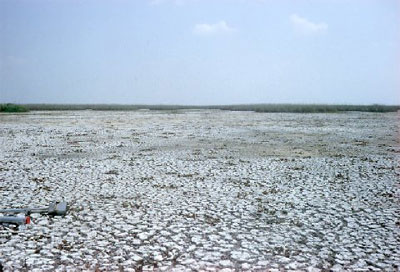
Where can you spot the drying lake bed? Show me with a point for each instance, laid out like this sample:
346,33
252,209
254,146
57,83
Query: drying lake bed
202,190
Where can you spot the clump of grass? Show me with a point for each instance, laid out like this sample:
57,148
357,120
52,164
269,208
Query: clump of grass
12,108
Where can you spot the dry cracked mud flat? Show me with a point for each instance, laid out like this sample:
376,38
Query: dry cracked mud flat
202,191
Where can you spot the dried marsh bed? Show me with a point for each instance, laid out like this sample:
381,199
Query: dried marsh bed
202,190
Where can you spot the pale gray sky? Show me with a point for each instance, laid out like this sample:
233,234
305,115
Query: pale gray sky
200,51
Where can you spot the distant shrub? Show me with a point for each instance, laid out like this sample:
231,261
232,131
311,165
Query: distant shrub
12,108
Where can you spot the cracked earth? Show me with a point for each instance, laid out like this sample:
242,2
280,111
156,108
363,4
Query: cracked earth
202,191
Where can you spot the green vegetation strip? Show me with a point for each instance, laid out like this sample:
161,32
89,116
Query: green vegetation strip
12,108
248,107
300,108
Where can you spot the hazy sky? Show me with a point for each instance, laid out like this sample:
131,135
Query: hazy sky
200,51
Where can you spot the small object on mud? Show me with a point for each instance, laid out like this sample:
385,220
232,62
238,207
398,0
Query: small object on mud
15,220
55,208
111,172
59,208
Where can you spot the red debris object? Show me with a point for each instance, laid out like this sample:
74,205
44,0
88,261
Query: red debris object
27,220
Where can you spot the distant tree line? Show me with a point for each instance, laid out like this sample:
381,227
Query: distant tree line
310,108
295,108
